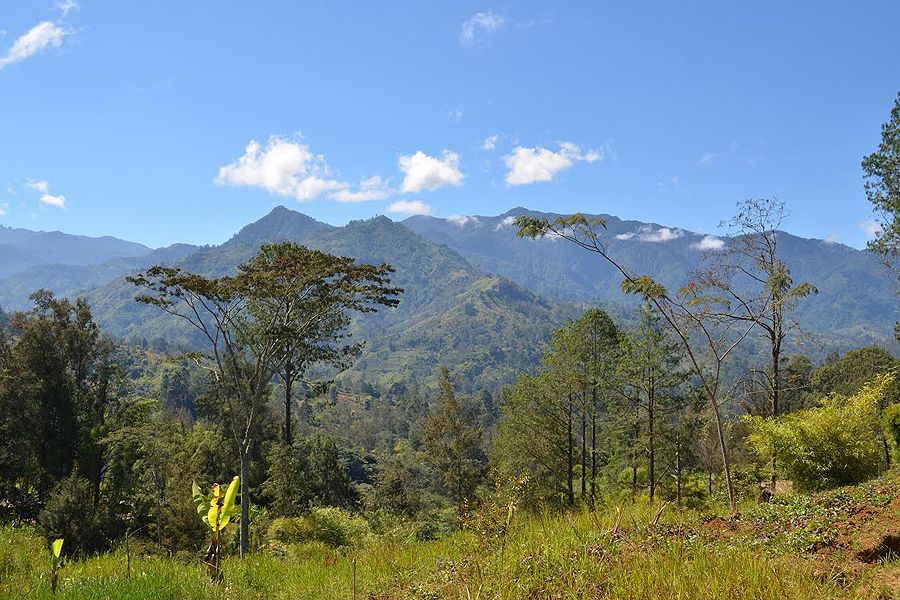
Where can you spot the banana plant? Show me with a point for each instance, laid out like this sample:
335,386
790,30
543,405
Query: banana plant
55,562
216,511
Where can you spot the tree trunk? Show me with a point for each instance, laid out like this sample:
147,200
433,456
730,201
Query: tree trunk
571,458
159,495
583,449
633,481
651,458
678,466
245,500
288,399
593,446
725,464
776,386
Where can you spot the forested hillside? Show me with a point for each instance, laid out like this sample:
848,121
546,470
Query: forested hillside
450,312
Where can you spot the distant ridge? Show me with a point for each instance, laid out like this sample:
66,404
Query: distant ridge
21,249
856,304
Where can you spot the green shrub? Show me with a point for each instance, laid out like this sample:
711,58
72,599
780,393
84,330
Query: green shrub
70,514
746,479
834,445
329,525
890,422
289,530
337,527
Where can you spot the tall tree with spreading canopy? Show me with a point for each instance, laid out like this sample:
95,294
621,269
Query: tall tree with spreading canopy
310,293
249,320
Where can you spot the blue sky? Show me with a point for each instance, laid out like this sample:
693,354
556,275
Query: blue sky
163,122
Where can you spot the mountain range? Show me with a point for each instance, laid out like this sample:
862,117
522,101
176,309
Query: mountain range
856,303
21,249
476,296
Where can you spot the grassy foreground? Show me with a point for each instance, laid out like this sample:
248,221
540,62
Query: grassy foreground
835,545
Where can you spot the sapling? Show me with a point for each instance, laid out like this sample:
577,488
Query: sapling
55,562
216,511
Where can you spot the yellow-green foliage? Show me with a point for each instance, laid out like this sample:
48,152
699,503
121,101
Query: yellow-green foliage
890,421
832,445
331,526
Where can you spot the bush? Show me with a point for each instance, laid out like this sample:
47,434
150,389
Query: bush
289,530
70,514
890,421
311,471
331,526
834,445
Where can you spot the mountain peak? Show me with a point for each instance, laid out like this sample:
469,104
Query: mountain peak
517,211
280,224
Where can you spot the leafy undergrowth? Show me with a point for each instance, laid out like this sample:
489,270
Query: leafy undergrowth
849,537
841,544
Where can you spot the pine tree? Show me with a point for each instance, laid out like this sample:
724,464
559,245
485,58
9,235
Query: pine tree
651,376
452,442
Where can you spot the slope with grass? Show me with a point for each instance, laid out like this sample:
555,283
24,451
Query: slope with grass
840,544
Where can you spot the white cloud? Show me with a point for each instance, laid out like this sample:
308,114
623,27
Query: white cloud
709,242
43,187
39,186
455,115
37,39
706,159
871,228
284,168
647,234
4,208
57,201
66,6
463,220
413,207
424,172
832,239
478,24
532,165
506,222
371,188
663,234
489,142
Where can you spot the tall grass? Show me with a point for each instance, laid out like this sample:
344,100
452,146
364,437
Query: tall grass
543,556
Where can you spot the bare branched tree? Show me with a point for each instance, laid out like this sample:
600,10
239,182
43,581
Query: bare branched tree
708,341
748,282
